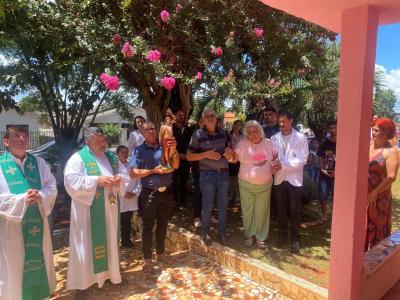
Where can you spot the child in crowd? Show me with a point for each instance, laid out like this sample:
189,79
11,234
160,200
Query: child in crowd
313,163
129,204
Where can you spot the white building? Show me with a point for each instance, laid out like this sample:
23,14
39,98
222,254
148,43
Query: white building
11,117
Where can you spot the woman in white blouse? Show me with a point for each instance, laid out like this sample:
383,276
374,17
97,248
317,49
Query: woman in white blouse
135,137
255,154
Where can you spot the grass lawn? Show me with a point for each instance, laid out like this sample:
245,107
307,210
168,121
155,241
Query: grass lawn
312,263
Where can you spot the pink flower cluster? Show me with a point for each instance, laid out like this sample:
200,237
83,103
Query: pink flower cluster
153,56
128,50
199,75
164,15
273,82
110,82
258,32
168,82
178,7
116,38
217,51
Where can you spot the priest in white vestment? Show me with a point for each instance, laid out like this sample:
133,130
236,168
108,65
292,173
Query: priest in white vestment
26,254
92,178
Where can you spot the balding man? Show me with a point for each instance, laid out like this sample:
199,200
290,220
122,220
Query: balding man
92,178
156,195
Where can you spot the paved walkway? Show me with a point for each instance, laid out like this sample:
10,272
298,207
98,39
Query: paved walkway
191,277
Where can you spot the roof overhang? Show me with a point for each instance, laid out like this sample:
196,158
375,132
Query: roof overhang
328,13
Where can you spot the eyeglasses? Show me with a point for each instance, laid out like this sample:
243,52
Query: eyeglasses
150,129
209,116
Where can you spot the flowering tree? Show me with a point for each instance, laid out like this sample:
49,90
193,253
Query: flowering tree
242,50
49,59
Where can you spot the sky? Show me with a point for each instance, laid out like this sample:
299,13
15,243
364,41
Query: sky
388,57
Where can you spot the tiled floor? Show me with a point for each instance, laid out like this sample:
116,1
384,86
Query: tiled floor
191,277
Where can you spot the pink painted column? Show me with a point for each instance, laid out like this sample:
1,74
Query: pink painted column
358,48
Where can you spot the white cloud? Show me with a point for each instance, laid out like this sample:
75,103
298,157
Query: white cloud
391,80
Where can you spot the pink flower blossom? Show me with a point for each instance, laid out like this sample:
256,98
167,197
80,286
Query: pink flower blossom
128,50
116,38
217,51
199,75
273,82
258,32
110,82
164,15
103,78
178,7
168,82
153,56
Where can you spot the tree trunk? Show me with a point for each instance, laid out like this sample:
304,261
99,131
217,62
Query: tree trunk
153,111
184,93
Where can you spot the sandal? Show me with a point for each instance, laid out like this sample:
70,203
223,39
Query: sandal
261,244
248,242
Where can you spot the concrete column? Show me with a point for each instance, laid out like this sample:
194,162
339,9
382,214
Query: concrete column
358,49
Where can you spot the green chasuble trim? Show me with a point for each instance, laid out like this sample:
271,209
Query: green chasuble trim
97,210
35,285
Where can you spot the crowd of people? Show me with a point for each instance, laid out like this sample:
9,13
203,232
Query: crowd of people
262,166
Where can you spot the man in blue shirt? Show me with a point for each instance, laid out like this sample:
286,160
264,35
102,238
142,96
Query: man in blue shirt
156,196
209,146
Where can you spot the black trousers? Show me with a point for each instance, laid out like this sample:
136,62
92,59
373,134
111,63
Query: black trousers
126,218
288,200
180,178
197,200
156,206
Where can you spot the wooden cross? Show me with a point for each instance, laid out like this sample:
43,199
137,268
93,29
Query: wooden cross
11,170
34,231
30,166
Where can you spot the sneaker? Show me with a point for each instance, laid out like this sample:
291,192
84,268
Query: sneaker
197,222
295,247
206,239
214,220
222,240
261,244
248,242
166,259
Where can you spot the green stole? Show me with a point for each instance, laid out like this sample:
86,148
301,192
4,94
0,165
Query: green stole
35,283
97,210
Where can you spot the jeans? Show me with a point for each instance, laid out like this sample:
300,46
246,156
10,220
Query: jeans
313,173
180,178
197,197
126,227
156,206
214,184
325,189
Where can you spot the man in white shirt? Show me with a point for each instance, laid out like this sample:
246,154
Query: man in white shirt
27,195
94,179
292,153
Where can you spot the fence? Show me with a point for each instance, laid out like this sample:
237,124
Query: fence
36,138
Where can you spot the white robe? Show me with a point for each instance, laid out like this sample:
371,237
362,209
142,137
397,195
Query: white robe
82,189
12,252
134,186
